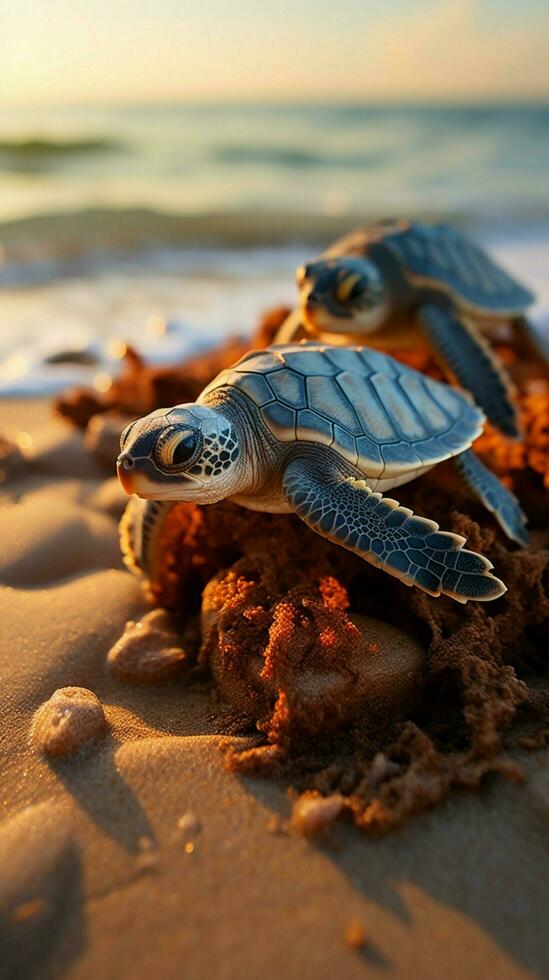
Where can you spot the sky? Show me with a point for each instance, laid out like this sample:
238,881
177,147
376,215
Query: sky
123,51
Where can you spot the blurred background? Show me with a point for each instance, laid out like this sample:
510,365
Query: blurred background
164,167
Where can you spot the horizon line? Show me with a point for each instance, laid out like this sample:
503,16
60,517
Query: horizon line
286,102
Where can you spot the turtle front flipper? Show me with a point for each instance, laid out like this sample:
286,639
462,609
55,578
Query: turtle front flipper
346,511
474,364
494,495
291,330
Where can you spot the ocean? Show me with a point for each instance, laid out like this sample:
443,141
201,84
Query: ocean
170,226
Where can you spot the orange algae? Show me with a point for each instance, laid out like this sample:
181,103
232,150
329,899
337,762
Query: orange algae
505,456
355,935
307,669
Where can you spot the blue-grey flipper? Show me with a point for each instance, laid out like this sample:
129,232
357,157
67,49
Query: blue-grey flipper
345,510
494,495
474,364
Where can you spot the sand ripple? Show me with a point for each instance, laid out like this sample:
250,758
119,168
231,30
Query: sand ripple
38,889
47,539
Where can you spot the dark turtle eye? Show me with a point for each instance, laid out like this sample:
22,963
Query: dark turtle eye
175,447
184,449
349,288
356,291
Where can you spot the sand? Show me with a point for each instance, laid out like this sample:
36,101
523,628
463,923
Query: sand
142,856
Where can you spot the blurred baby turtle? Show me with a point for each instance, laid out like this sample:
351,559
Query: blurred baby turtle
375,277
322,432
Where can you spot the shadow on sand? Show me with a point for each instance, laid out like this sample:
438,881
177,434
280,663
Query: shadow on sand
465,855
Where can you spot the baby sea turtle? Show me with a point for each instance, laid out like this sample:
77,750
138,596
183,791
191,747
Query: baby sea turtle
322,431
375,277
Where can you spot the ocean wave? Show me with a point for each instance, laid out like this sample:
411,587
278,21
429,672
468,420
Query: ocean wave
32,154
46,246
295,157
39,244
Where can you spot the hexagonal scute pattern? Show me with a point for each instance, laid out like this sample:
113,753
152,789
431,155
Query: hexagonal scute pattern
377,413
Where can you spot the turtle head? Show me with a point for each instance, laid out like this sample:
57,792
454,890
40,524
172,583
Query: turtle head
190,452
342,294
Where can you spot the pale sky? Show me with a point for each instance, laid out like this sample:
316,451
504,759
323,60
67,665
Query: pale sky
157,50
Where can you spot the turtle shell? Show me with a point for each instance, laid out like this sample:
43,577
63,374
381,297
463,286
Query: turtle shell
378,414
440,258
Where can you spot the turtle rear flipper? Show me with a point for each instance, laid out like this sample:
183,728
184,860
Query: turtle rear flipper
474,365
494,495
138,530
345,510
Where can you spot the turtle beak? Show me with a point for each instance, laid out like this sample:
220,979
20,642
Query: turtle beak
124,469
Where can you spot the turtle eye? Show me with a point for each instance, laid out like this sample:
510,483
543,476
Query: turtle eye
184,448
349,288
174,448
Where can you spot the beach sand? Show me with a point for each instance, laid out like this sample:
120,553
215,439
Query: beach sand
143,856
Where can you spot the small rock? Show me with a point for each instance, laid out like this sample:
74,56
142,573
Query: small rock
276,825
77,356
148,651
383,768
71,718
355,934
33,909
147,859
313,815
189,824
